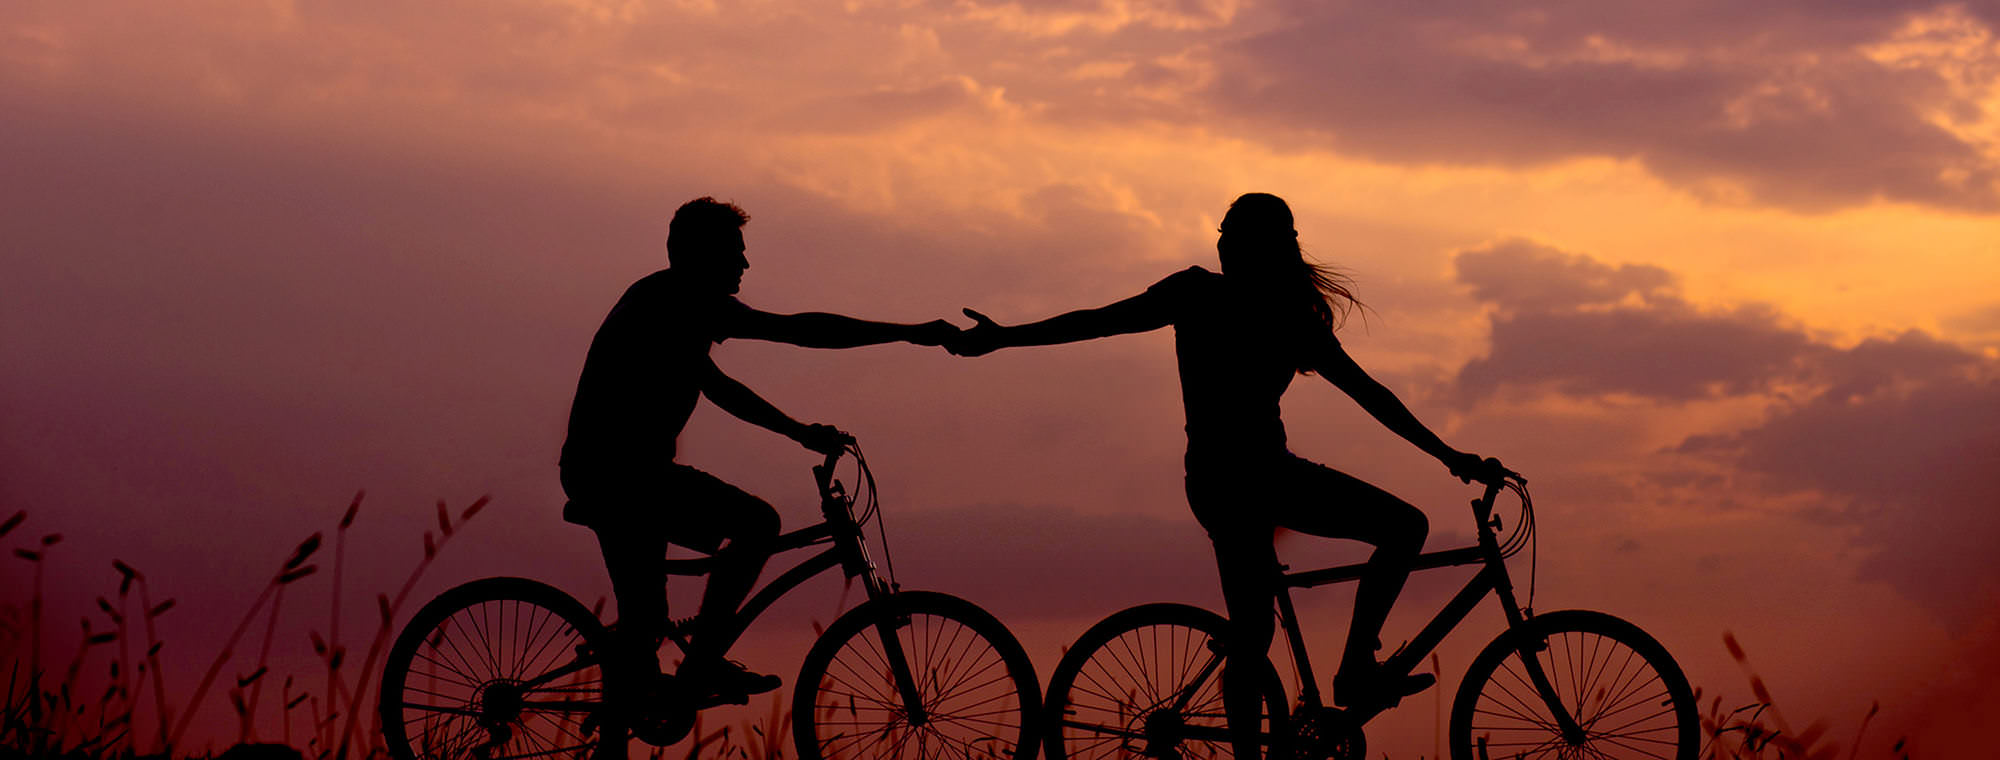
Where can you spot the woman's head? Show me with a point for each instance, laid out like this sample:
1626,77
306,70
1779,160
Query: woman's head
1259,244
1257,237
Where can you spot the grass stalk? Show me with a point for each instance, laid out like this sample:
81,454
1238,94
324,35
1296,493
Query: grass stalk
388,607
215,666
153,662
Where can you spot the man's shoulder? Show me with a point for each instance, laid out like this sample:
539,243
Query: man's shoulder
662,280
665,287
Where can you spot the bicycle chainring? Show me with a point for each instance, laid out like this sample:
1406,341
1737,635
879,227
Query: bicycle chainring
1326,734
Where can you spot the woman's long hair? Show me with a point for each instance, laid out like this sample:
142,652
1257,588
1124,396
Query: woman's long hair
1273,258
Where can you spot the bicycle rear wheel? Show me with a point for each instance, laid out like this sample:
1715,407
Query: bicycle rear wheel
1618,684
1147,682
496,668
977,693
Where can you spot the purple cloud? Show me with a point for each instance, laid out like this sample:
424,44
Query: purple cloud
1893,435
1770,102
1908,467
1583,328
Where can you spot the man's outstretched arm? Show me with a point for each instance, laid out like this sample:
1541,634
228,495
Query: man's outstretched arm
744,404
820,330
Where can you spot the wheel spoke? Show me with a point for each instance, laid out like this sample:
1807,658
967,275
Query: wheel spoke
970,690
1626,694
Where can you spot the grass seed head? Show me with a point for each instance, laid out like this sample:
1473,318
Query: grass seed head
347,518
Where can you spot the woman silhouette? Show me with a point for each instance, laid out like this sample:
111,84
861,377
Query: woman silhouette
1240,336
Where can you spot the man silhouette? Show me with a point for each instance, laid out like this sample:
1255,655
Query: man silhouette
647,365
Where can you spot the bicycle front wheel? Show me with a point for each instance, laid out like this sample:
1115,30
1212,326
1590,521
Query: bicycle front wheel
1147,682
496,668
1617,683
916,675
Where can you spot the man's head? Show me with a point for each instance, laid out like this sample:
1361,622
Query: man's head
705,242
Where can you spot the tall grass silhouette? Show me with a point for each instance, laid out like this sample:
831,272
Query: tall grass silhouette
1759,731
45,715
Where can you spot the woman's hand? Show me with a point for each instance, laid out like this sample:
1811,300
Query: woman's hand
982,339
1469,467
824,439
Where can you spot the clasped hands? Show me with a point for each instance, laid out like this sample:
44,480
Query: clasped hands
980,339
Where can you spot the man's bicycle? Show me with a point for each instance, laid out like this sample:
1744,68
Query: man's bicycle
1146,681
511,667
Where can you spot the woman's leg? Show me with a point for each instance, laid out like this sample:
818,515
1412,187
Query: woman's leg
1325,502
1247,563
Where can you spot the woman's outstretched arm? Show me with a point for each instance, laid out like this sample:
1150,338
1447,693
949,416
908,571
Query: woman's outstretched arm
1139,313
1338,368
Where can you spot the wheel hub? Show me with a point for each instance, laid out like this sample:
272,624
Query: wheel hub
500,702
1164,730
1328,733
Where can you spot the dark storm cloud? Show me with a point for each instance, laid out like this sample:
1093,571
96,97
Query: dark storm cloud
1774,100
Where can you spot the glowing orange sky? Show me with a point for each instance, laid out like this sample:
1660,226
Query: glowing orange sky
258,255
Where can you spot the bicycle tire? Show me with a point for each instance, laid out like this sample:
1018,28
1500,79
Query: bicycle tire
977,687
463,672
1604,670
1114,694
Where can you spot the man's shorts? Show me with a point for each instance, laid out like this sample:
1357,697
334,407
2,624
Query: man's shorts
685,505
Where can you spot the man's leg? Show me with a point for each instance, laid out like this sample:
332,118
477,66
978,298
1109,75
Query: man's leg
633,555
752,530
717,512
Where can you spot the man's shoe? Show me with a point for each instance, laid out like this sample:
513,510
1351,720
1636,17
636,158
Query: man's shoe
727,678
1370,686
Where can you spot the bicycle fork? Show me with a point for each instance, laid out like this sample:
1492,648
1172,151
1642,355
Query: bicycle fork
1529,650
900,671
899,668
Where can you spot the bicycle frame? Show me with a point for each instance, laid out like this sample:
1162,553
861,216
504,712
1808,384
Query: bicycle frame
498,701
1492,578
845,548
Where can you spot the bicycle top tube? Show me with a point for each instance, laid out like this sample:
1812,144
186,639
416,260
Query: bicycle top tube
811,535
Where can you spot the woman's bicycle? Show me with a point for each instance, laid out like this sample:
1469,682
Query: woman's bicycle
511,668
1146,681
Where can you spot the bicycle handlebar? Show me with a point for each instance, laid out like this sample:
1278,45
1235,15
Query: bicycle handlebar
823,472
1491,473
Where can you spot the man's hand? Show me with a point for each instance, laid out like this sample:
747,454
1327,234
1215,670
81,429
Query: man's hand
982,339
1469,467
936,332
825,439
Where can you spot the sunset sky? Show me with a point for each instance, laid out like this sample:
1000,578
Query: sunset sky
1720,277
